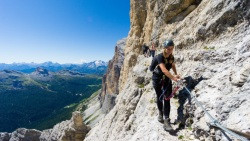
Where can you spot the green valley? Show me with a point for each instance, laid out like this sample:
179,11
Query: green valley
40,100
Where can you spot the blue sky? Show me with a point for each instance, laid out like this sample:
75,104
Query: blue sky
63,31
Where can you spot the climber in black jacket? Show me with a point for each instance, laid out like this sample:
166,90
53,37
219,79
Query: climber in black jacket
162,82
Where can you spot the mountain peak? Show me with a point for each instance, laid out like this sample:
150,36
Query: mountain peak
100,63
41,71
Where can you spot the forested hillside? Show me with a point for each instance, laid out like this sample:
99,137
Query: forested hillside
41,100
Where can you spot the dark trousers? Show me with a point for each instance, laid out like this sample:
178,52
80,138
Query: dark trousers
152,53
160,85
182,96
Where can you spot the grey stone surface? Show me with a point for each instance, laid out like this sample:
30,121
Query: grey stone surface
110,81
70,130
23,134
5,136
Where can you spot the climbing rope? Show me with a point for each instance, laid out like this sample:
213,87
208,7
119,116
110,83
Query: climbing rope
213,121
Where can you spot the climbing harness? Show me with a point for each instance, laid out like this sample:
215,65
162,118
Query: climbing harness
173,92
213,121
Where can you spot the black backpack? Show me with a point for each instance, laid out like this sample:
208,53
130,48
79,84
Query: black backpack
154,63
143,47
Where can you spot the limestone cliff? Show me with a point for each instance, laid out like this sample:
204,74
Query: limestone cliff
212,40
110,87
150,21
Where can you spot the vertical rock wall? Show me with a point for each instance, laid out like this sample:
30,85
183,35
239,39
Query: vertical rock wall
148,19
110,81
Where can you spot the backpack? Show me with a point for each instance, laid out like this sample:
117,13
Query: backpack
143,47
154,63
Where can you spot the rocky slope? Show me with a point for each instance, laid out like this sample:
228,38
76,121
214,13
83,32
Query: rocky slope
72,129
92,112
212,40
110,82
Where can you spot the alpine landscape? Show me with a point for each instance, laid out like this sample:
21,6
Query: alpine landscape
116,101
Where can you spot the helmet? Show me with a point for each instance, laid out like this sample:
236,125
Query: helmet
168,43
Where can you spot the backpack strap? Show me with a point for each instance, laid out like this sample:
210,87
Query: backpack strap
168,62
155,68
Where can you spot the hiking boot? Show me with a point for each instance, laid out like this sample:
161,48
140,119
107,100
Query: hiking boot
167,127
180,123
160,118
177,121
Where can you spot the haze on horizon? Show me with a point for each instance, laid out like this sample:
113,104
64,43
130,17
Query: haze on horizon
61,31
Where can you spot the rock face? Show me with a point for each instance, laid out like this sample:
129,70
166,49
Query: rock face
21,134
70,130
93,112
110,82
149,20
5,136
73,129
212,40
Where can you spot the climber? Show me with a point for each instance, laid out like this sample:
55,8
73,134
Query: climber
162,78
145,50
152,50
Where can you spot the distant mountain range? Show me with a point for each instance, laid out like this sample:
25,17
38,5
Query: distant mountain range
95,67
